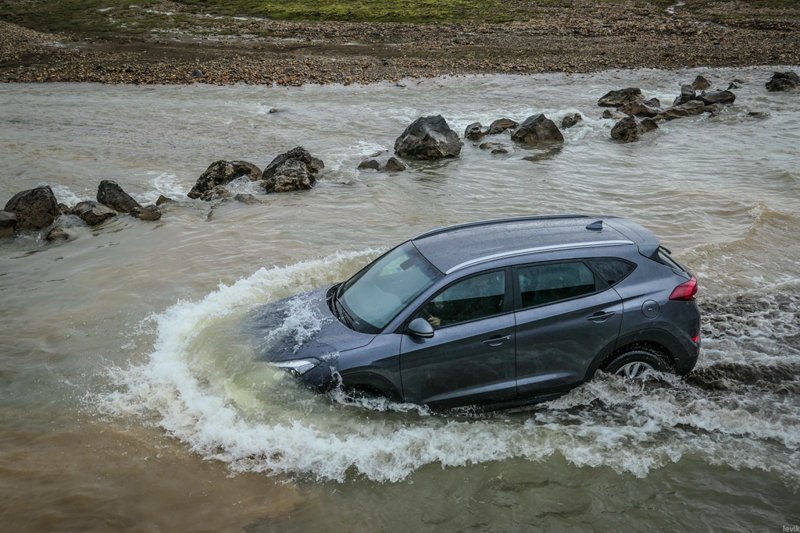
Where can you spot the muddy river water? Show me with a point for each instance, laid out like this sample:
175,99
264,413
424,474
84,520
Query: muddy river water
130,399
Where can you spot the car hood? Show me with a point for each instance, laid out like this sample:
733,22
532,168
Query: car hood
299,327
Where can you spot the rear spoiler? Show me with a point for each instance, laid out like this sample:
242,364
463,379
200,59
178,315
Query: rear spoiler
645,239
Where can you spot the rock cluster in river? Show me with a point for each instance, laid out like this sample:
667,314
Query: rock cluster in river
37,209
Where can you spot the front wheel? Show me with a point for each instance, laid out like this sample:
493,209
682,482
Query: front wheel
634,363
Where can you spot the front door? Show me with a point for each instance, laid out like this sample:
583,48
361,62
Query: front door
471,357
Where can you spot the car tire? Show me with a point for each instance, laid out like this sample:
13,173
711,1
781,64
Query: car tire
632,363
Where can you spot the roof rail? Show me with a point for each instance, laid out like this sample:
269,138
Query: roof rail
495,221
538,249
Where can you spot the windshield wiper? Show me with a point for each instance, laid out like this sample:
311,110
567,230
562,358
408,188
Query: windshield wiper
341,312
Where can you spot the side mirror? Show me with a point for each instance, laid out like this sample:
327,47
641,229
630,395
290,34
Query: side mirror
419,327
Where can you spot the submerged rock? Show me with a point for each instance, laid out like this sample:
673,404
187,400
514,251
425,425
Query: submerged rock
536,130
221,173
110,194
428,138
474,131
492,146
639,109
34,209
57,234
621,97
571,120
148,212
394,165
700,84
783,81
294,170
8,222
691,108
164,200
217,193
614,115
247,199
500,125
369,164
647,124
718,97
93,213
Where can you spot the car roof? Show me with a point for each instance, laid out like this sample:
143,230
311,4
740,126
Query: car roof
455,247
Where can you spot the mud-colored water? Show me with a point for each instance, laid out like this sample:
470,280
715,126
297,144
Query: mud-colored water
130,398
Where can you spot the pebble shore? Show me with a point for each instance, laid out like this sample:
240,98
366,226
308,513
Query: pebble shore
590,37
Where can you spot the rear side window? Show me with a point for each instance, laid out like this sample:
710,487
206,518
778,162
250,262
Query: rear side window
543,284
612,271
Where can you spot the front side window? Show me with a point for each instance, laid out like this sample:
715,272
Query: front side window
466,300
547,283
374,296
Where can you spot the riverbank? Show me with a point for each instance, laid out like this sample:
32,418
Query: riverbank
176,43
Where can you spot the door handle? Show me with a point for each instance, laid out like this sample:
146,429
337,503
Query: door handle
496,341
601,316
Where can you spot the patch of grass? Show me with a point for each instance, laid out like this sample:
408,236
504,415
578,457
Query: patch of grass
363,10
72,15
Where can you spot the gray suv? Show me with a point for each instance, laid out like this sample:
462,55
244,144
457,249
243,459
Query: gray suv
495,313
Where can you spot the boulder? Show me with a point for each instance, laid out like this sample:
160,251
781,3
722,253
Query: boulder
291,171
626,130
110,194
537,130
148,212
428,138
691,108
394,165
700,84
733,85
783,81
93,213
164,200
687,95
369,164
652,102
501,150
246,198
293,175
474,131
718,97
64,228
8,222
221,173
500,125
34,208
571,120
620,97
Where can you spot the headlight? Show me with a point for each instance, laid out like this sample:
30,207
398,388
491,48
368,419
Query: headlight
297,366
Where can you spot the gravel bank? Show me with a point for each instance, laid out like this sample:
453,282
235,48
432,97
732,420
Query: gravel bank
592,36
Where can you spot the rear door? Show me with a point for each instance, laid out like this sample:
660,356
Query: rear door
471,357
565,316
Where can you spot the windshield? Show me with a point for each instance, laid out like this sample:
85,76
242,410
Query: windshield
374,296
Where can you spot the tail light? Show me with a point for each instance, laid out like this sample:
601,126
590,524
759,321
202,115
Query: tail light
685,291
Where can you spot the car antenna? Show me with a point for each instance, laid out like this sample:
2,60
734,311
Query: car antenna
597,225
